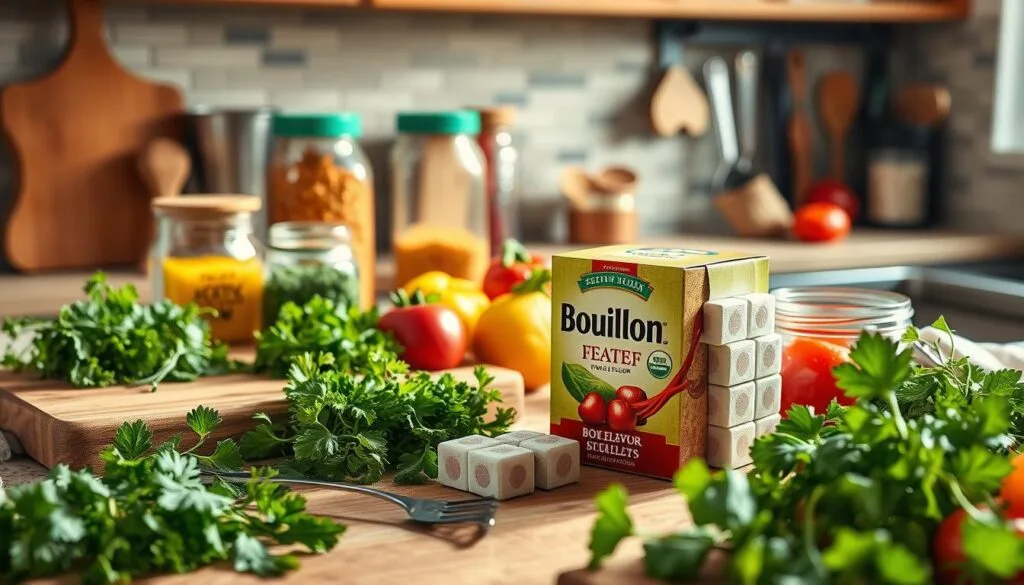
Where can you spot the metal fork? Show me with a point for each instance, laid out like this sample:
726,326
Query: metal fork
478,511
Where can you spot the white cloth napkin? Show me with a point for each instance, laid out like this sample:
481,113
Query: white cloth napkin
989,356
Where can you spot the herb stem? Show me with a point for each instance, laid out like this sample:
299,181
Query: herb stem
897,415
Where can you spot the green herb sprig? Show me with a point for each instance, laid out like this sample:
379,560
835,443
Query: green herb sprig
110,338
856,494
300,283
357,427
151,514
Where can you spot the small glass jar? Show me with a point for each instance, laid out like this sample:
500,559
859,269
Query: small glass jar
440,216
502,174
839,314
305,259
318,172
206,253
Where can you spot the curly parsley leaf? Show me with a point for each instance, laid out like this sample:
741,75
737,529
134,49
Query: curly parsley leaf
202,420
877,367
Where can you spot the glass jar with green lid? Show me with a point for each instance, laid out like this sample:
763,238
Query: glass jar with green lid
319,173
305,259
440,217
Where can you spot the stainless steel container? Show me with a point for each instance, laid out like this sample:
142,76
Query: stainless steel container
230,150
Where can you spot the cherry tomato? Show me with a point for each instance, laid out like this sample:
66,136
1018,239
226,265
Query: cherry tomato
621,416
807,374
592,410
948,551
631,394
432,335
511,268
831,191
1012,491
821,222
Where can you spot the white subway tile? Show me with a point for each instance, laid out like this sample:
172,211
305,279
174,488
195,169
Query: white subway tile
208,56
231,98
306,100
412,79
303,37
179,77
206,34
278,79
204,78
133,56
150,33
377,100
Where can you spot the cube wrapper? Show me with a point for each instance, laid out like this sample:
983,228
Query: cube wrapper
767,396
725,321
768,355
517,437
729,406
760,314
557,460
453,459
763,426
728,448
731,364
501,472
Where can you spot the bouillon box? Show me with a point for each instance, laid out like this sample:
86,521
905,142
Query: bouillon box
629,378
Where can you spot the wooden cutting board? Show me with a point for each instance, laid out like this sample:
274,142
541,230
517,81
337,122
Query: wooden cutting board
75,134
59,424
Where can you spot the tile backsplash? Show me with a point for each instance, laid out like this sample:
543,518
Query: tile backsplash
582,85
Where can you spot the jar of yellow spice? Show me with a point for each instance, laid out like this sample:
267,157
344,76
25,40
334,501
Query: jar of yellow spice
319,173
205,252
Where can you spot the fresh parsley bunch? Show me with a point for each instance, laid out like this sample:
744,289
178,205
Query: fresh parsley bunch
322,325
151,514
109,338
358,426
854,495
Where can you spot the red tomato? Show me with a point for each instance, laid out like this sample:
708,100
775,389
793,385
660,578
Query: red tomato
831,191
433,336
511,268
948,551
821,222
1012,491
807,374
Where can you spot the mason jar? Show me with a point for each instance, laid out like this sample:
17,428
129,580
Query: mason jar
306,259
206,253
839,314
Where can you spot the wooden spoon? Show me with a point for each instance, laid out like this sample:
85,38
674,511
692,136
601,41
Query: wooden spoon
679,105
838,103
576,186
164,166
800,138
924,105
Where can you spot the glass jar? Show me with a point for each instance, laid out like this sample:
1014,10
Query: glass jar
205,252
305,259
839,314
318,172
440,217
501,174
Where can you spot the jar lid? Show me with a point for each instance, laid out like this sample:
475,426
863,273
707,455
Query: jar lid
308,235
318,125
497,116
200,206
457,122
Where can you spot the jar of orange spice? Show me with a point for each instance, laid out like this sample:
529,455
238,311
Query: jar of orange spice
319,173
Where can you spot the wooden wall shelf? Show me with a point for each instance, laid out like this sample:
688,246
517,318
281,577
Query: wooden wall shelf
733,10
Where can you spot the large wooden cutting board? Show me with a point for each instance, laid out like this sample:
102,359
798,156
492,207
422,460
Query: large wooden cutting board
75,134
58,424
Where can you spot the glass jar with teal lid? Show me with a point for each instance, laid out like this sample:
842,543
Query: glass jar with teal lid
318,172
440,216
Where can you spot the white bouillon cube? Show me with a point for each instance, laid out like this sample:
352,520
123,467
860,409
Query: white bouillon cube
501,472
557,460
760,314
725,321
729,406
767,396
517,437
732,363
763,426
767,355
729,448
453,460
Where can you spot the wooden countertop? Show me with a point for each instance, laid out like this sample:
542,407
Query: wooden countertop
44,294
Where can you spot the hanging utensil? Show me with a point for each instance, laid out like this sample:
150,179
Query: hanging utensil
838,103
716,75
678,104
800,138
746,89
924,105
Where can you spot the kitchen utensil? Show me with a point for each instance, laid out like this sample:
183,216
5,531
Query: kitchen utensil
838,103
576,186
59,424
678,104
923,105
230,150
746,89
475,511
716,75
800,139
164,166
614,180
75,134
755,209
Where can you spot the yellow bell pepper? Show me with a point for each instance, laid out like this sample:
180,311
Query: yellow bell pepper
515,331
458,294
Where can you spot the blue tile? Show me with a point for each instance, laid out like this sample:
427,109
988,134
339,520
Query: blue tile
536,80
572,156
510,98
283,58
246,35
